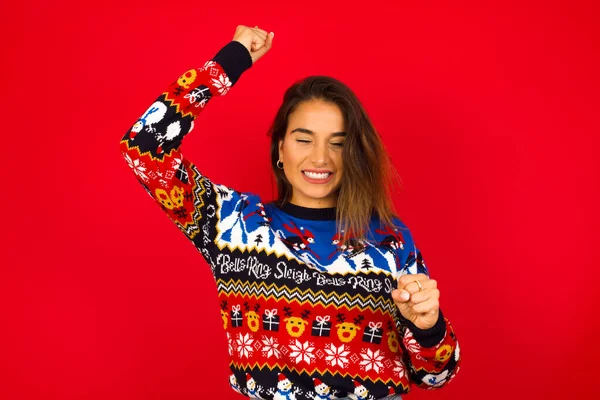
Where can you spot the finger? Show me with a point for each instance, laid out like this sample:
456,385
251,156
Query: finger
262,32
269,41
420,297
418,285
400,296
424,295
259,37
428,306
258,41
408,278
265,47
257,45
412,287
258,33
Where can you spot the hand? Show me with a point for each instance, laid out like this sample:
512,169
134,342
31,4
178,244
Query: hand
256,40
420,306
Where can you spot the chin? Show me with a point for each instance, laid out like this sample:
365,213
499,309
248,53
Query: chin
319,195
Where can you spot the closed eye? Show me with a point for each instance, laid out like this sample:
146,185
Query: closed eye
302,141
338,144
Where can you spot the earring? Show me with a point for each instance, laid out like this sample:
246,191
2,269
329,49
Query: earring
278,164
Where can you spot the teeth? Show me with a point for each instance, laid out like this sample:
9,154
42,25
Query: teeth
315,175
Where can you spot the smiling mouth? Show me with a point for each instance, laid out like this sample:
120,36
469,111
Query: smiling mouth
317,175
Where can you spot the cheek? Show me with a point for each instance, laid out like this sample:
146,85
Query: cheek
337,160
293,156
339,165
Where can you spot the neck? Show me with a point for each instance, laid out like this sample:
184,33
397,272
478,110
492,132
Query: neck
319,214
309,202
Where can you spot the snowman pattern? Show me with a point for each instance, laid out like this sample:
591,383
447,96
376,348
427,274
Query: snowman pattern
323,391
155,113
284,389
360,392
252,388
234,384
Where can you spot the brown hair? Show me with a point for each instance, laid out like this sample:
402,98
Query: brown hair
368,174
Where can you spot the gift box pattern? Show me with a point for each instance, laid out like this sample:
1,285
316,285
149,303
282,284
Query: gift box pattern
373,333
236,316
322,326
270,320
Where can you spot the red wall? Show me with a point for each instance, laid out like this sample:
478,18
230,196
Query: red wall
490,114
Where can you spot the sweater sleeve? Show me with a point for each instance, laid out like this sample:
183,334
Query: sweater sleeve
431,355
152,147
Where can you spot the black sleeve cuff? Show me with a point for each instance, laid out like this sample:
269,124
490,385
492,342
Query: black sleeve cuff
427,337
235,59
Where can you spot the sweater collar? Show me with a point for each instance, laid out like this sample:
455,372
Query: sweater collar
318,214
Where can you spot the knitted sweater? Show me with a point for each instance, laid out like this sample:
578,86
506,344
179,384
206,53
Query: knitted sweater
305,317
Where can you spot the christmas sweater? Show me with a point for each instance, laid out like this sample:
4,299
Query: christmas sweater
305,316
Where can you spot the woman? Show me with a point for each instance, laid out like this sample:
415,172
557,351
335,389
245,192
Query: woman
323,292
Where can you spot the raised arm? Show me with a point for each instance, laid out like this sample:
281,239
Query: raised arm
152,146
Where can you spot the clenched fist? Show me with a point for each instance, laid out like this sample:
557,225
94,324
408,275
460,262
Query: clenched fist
418,299
256,40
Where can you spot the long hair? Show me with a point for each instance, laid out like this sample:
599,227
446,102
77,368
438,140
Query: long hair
368,174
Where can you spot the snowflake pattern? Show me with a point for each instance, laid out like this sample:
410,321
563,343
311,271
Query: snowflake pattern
410,343
207,65
372,360
337,355
223,84
244,345
302,351
270,347
413,346
399,369
137,166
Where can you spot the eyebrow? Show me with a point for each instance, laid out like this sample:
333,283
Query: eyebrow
304,130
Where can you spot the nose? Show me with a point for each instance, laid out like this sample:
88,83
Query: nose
319,155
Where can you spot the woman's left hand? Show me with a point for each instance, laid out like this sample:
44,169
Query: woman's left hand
418,304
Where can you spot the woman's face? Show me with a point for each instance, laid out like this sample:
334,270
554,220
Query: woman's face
311,153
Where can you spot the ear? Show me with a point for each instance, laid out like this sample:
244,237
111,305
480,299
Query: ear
281,148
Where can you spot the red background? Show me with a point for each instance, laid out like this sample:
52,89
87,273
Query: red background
490,113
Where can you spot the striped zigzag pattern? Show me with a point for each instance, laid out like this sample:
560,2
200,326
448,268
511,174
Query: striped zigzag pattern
278,292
